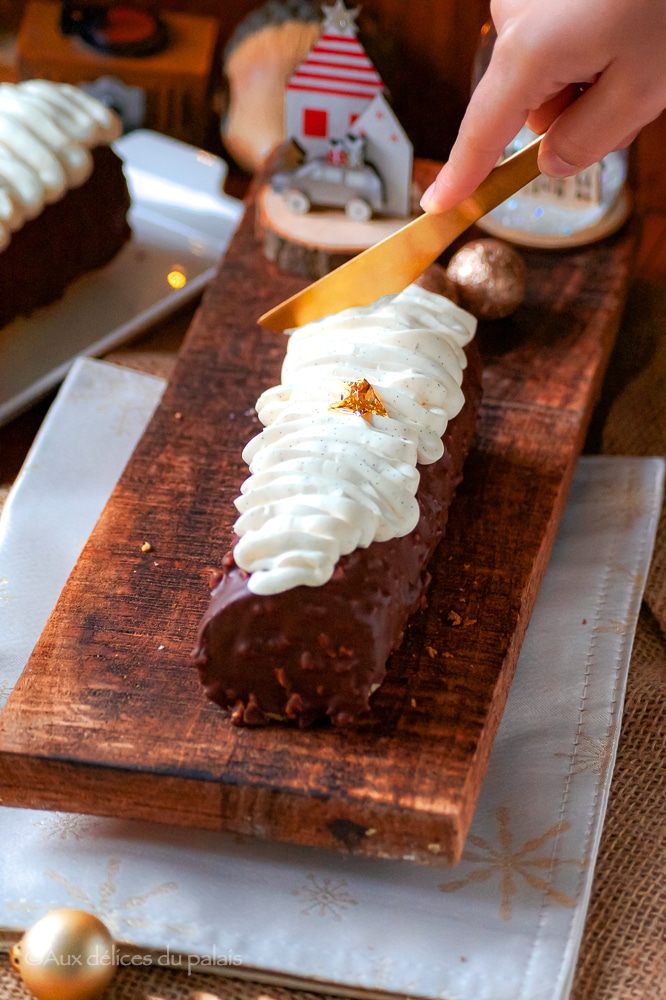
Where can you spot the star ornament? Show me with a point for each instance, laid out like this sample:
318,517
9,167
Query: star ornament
338,18
361,399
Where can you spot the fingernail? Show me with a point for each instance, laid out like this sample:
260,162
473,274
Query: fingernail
555,166
427,194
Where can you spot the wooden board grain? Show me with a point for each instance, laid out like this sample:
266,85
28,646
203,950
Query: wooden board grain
108,716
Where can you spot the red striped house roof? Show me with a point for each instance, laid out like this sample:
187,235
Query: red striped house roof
338,64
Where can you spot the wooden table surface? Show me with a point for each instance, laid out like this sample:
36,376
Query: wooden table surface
412,771
156,351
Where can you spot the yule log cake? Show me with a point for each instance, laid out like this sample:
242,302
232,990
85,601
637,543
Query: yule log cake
63,194
350,485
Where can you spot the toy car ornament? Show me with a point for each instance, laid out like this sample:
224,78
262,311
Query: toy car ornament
340,179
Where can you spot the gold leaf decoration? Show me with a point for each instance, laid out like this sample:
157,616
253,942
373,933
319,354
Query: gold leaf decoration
361,398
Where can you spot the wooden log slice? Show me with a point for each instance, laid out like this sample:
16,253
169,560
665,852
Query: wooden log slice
313,244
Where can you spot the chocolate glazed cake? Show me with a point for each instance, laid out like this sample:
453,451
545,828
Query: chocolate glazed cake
81,232
63,195
309,652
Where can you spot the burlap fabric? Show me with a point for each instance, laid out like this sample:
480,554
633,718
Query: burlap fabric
623,954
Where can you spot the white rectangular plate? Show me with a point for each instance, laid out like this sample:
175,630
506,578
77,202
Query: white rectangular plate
181,223
505,924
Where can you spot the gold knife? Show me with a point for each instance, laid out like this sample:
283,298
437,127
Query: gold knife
393,263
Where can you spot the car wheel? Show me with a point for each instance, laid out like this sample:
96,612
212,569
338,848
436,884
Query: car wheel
358,210
297,202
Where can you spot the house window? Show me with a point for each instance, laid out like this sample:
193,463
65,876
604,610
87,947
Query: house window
315,123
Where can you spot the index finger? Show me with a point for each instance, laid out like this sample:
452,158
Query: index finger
489,125
499,107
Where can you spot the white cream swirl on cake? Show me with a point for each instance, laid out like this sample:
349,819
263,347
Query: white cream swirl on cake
46,133
366,394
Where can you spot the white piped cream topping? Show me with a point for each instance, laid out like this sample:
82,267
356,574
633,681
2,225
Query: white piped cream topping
324,481
46,133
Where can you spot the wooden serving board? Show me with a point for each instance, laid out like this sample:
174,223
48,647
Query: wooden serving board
108,716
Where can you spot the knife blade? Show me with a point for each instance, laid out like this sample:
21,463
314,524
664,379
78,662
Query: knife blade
393,263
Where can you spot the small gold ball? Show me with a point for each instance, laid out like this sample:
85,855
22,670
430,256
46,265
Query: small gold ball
489,276
66,955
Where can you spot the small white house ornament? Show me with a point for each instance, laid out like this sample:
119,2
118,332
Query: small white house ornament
389,149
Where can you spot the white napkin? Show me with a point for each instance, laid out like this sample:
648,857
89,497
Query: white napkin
505,924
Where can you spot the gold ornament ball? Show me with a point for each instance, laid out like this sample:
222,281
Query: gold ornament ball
66,955
489,276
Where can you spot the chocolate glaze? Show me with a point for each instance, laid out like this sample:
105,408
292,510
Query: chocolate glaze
312,652
81,231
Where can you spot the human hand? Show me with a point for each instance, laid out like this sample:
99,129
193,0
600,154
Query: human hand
588,73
